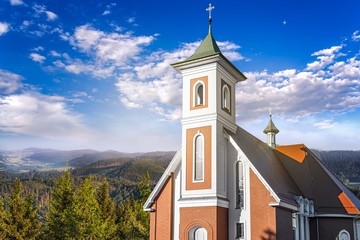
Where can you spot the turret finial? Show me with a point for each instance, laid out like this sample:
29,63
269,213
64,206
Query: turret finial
209,9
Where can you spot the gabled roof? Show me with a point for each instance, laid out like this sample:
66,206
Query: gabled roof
317,182
266,163
294,170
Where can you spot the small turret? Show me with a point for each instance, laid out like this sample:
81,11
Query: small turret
271,131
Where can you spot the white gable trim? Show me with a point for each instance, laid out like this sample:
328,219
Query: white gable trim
284,205
171,168
244,158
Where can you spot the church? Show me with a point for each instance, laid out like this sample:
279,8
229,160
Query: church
224,183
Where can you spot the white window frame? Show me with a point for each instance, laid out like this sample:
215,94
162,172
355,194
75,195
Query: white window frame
237,185
199,134
194,230
196,100
226,98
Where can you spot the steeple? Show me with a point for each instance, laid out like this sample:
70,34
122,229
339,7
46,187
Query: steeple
207,50
271,131
208,46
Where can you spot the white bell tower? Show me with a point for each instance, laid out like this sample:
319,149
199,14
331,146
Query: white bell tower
209,80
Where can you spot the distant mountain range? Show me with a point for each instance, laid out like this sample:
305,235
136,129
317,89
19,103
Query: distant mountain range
49,159
344,164
37,168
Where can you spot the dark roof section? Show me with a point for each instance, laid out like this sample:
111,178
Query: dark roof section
295,171
208,47
266,162
317,182
270,128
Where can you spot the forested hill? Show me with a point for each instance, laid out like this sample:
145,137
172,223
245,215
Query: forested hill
124,170
123,173
344,164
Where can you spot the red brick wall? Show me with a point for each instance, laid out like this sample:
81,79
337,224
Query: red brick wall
213,219
161,219
263,216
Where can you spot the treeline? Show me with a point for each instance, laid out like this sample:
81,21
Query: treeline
122,175
73,212
344,164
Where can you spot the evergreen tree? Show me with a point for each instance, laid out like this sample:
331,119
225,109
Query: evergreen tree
88,220
60,217
133,221
2,218
32,217
21,222
107,210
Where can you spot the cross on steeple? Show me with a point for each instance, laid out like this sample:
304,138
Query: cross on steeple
209,9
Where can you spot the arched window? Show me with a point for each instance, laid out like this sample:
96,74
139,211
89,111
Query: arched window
199,94
344,235
226,98
199,158
198,233
239,185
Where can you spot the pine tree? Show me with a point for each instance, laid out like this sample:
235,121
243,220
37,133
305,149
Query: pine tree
133,221
2,219
107,210
32,217
60,217
21,222
88,220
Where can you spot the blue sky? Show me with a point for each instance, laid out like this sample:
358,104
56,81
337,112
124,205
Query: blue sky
96,74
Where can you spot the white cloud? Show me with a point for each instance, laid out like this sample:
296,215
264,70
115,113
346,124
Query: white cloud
106,12
9,82
326,124
51,16
41,10
328,51
4,28
154,85
37,57
106,52
356,36
38,49
85,38
55,53
39,115
331,86
131,20
24,111
230,50
324,58
16,2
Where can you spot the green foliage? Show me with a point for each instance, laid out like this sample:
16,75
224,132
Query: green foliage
60,218
133,221
21,220
107,211
2,218
74,206
87,212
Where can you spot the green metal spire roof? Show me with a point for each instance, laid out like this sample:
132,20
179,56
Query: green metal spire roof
207,48
270,128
